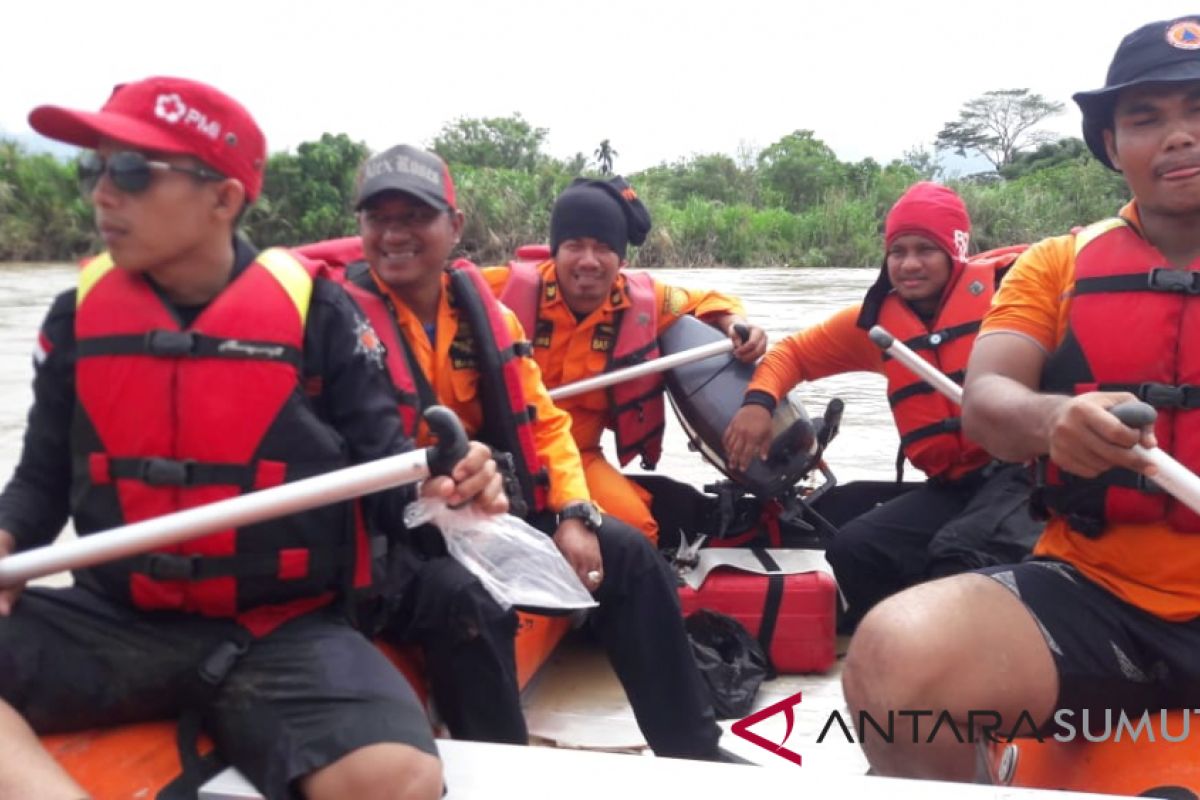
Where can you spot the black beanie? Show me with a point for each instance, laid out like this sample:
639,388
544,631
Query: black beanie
608,211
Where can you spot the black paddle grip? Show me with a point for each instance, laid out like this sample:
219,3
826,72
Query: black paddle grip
451,444
742,331
1134,413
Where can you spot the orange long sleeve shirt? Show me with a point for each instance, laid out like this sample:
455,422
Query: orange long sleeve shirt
831,347
569,351
457,388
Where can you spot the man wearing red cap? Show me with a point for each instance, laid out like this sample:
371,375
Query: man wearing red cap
188,368
1107,614
971,512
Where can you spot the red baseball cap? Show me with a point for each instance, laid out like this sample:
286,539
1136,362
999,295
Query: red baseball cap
171,115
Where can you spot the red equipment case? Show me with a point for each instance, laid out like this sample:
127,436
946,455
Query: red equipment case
802,639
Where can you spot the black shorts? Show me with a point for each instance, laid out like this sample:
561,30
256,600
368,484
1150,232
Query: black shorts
1109,654
299,699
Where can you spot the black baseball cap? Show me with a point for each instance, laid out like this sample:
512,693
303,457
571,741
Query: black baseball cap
410,170
1167,51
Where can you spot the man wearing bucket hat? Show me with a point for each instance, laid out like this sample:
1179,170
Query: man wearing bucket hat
187,368
971,511
1107,615
586,314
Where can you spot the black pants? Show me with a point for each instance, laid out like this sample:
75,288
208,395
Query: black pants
932,531
468,641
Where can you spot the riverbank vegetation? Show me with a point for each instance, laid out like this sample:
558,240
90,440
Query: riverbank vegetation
794,203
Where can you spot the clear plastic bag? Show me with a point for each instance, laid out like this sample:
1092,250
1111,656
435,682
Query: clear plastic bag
518,564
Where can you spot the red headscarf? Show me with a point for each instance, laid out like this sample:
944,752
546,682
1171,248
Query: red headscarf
930,210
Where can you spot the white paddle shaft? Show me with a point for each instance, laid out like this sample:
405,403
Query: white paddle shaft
607,379
235,512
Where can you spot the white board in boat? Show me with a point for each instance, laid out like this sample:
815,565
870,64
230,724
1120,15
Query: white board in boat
475,770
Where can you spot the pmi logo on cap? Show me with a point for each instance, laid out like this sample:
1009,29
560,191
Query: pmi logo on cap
962,243
171,109
1185,35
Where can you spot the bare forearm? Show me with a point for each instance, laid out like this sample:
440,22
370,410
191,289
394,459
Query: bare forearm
1006,417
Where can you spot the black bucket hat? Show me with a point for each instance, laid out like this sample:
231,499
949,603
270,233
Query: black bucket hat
1167,51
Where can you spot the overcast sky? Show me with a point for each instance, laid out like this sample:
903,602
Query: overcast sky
661,79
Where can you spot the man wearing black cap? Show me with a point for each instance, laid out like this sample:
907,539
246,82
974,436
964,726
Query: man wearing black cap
586,314
1106,615
455,344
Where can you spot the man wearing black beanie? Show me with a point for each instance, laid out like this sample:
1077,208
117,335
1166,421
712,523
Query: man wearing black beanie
586,314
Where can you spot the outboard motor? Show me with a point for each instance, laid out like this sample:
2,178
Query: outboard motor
707,393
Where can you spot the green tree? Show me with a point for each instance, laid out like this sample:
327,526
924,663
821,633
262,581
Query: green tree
604,157
798,170
498,142
43,215
308,196
1050,154
998,125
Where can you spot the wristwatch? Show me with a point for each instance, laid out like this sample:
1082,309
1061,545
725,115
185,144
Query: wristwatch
585,512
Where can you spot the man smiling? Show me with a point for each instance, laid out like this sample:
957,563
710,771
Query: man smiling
971,512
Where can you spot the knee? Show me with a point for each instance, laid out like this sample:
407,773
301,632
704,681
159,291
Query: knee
892,662
378,772
624,548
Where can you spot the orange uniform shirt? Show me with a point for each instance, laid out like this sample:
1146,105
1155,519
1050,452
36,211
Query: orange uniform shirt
831,347
458,390
571,351
1151,566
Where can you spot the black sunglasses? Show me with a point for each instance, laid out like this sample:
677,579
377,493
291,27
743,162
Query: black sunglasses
130,171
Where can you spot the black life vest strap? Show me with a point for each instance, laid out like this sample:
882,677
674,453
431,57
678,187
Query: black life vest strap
187,344
500,421
634,356
155,471
921,387
935,339
772,602
176,567
636,402
948,425
209,675
1159,395
1159,279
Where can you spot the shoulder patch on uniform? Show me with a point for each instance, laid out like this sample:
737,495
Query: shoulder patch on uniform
367,342
675,302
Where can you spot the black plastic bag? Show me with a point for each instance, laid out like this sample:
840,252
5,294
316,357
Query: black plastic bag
731,661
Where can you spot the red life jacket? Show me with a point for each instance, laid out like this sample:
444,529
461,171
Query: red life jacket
1130,312
638,417
929,423
338,256
508,419
507,415
169,418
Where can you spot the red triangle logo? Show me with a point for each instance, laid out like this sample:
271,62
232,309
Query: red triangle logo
785,706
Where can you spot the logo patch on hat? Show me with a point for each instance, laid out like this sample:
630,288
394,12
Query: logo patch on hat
1185,35
170,107
962,243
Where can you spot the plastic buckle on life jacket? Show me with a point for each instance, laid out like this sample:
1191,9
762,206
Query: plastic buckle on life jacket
170,344
1165,279
1161,395
172,567
167,472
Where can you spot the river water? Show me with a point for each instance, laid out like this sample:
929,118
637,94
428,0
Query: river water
779,300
